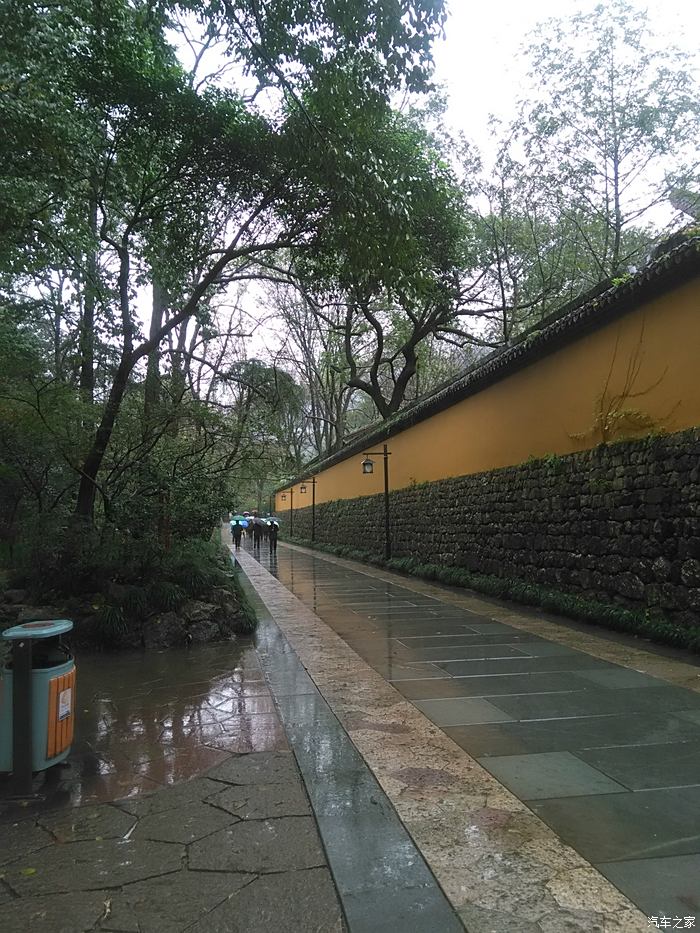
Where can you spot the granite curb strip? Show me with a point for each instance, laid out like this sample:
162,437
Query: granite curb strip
500,866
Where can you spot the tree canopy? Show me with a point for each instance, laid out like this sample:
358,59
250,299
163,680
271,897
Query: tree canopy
169,166
125,177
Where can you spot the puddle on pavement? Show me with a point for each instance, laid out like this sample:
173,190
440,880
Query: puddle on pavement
149,719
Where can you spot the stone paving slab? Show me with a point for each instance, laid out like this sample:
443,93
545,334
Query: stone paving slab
173,902
21,839
489,852
303,901
644,767
515,738
672,666
552,774
372,857
260,846
678,874
162,862
262,768
171,798
87,823
262,801
652,726
57,913
183,824
92,865
649,824
221,852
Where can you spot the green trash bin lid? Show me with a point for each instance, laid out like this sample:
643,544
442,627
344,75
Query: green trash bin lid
49,628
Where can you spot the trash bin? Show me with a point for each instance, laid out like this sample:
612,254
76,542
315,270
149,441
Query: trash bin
45,709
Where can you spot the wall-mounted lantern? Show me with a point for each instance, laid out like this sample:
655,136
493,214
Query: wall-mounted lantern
368,467
302,489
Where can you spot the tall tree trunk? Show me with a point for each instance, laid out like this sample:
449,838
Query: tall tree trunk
87,491
57,321
178,378
152,384
87,322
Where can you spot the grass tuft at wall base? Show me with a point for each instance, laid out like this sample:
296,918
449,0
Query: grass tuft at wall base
650,624
248,616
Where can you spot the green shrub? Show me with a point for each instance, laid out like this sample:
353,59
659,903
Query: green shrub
112,628
165,595
129,579
648,623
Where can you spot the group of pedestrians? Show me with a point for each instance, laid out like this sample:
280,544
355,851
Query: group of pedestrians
259,529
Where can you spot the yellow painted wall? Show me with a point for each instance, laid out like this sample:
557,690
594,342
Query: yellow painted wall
642,370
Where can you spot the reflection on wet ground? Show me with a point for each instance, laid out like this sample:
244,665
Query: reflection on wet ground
145,720
381,876
608,757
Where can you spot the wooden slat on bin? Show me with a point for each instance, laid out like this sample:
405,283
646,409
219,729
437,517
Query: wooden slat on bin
60,732
70,722
66,734
53,717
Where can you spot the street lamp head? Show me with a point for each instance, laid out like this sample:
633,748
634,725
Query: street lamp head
302,488
367,465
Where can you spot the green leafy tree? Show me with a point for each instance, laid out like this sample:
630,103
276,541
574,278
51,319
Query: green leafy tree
614,115
385,291
312,347
139,176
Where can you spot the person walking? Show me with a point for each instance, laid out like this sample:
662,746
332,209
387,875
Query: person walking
272,536
257,531
237,533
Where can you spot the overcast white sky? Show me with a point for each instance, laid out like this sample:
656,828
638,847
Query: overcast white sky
478,59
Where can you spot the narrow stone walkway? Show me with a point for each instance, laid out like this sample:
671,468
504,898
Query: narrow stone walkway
541,770
383,881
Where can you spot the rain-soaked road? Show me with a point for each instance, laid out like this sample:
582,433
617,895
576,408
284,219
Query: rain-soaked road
607,755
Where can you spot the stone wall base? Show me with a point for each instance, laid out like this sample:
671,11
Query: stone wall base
619,523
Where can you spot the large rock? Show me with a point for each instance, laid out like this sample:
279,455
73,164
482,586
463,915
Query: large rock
196,622
201,621
164,629
690,572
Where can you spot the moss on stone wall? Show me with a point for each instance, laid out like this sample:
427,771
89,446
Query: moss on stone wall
618,524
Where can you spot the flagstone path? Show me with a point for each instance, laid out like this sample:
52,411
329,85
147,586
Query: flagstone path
548,775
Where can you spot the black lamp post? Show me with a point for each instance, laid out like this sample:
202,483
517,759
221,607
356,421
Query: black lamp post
302,489
283,497
368,467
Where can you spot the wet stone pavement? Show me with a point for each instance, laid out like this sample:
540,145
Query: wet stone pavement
386,756
383,881
182,808
591,737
